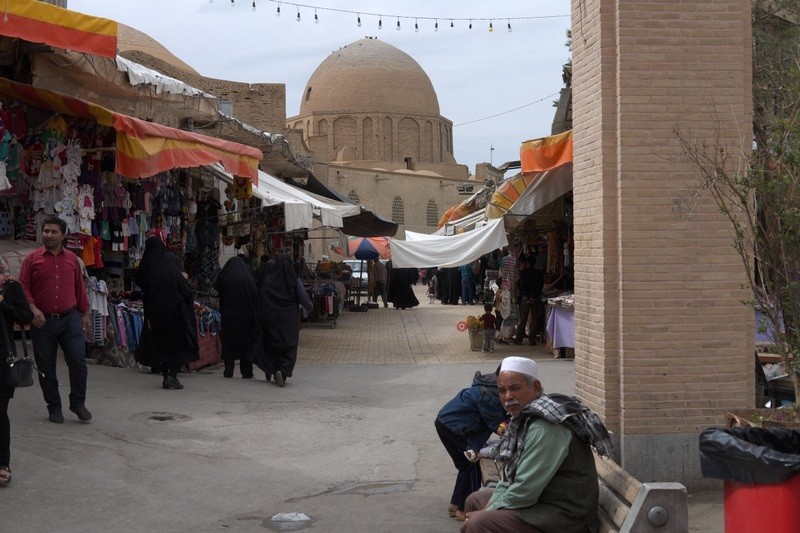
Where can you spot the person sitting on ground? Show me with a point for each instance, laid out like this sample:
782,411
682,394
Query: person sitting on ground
549,476
465,423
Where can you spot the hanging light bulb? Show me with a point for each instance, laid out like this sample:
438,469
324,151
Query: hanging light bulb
436,26
298,14
398,23
233,4
416,26
316,18
491,28
451,24
470,24
359,20
254,5
210,1
278,11
509,27
380,23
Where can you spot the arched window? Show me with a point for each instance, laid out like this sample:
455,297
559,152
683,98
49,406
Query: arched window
432,213
354,197
398,211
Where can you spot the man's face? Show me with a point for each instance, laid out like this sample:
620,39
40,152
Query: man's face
515,392
52,236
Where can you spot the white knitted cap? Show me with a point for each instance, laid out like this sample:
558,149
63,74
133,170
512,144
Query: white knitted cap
523,365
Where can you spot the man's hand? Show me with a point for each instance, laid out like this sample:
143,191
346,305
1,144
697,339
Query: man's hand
470,515
38,317
86,321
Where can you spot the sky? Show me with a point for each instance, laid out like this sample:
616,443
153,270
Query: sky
513,77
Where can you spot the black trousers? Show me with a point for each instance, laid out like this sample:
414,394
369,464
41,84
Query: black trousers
245,367
468,477
66,332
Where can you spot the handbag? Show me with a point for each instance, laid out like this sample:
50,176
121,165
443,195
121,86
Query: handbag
19,370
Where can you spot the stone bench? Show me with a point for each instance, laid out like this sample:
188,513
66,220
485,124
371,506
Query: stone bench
625,504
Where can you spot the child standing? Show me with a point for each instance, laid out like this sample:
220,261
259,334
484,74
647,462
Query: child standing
431,290
489,324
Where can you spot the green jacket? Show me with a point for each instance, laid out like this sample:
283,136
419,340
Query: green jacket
555,488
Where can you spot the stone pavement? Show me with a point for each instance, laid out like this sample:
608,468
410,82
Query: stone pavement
349,442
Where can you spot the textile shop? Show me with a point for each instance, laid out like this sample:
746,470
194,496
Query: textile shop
69,165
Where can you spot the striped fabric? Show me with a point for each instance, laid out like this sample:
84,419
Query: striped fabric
38,22
145,148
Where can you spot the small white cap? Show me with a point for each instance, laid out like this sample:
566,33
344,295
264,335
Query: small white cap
523,365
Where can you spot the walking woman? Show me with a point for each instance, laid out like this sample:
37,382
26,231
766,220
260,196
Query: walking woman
238,305
169,332
14,308
281,295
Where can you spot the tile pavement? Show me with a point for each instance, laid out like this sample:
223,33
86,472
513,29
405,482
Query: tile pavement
425,335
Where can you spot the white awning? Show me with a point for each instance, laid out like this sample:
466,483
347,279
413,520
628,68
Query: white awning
450,250
297,213
330,212
473,219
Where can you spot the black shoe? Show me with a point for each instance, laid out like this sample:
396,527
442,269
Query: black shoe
269,377
518,342
279,379
56,417
171,382
227,374
83,413
247,376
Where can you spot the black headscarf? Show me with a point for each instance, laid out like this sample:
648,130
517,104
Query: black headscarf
280,285
154,250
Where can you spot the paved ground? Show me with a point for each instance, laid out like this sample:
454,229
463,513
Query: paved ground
348,442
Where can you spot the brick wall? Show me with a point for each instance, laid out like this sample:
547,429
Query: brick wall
663,344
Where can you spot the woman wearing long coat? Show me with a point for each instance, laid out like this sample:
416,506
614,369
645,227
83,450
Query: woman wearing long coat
239,307
169,332
13,308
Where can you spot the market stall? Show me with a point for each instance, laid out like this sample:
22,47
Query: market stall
115,180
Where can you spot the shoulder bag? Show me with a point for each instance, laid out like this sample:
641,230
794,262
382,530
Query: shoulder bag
19,370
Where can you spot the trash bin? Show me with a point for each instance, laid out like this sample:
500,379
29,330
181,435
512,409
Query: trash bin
758,466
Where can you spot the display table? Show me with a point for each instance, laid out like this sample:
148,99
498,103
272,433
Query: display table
561,327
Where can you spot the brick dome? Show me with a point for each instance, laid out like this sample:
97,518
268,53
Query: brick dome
369,76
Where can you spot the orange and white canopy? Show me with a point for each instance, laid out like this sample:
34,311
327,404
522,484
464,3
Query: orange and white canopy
145,148
38,22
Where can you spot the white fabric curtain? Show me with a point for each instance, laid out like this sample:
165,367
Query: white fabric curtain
450,250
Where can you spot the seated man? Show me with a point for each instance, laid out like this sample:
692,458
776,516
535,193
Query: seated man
549,477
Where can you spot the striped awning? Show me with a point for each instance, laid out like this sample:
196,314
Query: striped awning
144,148
545,153
38,22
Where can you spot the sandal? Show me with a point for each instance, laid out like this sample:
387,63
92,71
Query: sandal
5,475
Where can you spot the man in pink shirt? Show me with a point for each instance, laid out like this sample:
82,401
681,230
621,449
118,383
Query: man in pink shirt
53,283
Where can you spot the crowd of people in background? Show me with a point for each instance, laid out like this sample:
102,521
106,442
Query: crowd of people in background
511,281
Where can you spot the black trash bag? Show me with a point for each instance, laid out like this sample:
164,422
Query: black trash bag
750,455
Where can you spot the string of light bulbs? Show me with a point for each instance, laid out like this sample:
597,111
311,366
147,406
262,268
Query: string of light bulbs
398,18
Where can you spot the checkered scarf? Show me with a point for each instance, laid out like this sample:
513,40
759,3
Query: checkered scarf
558,409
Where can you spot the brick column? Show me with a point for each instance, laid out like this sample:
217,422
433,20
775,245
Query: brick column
663,345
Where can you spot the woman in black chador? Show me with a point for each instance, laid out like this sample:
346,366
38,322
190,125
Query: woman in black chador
400,292
169,332
238,305
281,327
13,308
